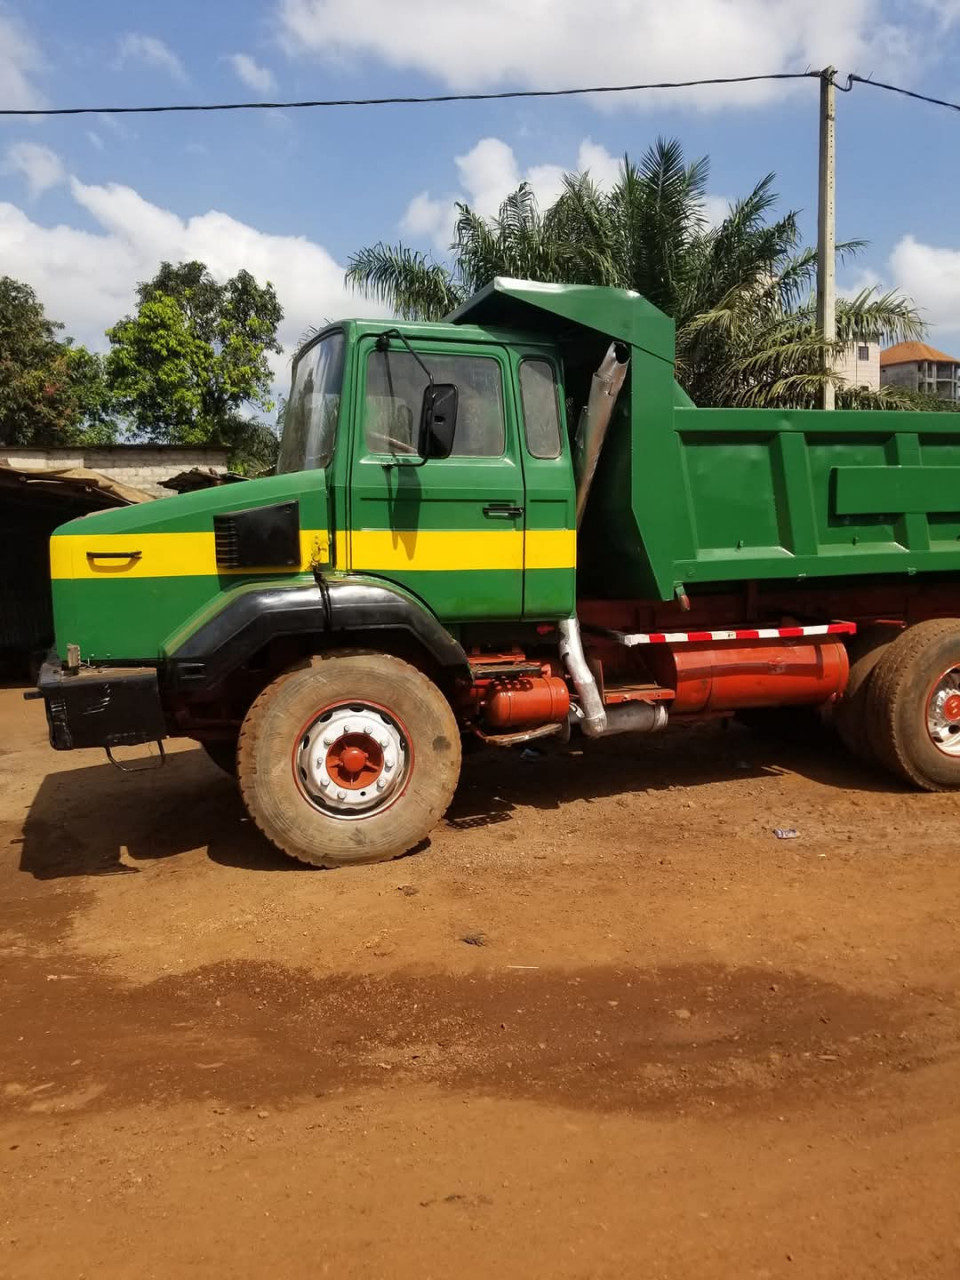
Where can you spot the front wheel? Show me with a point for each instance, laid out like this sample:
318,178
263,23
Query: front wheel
349,758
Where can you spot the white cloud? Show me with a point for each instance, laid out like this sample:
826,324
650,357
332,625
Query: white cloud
931,276
95,140
487,173
39,166
87,278
855,280
19,60
429,219
555,43
251,73
138,47
715,209
596,160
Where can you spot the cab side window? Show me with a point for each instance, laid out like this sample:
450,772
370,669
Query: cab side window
541,412
394,394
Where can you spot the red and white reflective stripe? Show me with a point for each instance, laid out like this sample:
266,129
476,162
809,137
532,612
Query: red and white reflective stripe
766,633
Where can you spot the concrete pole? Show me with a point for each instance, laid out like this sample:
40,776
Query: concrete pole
827,221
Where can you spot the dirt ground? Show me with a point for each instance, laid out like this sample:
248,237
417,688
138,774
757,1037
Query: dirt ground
606,1025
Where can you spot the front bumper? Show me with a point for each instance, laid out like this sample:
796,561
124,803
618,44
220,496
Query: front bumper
101,707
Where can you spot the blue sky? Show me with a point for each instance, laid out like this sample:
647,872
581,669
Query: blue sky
90,205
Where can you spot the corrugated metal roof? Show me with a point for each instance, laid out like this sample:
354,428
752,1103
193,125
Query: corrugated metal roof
77,480
32,504
914,353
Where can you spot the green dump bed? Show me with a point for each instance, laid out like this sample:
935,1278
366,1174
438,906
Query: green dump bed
699,496
721,495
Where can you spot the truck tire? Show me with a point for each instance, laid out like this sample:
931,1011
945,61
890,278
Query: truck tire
348,758
913,706
850,713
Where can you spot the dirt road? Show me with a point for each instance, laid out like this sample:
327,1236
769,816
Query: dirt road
605,1026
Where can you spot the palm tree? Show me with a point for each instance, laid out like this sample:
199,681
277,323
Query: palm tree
739,292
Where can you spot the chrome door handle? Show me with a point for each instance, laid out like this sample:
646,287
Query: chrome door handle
502,511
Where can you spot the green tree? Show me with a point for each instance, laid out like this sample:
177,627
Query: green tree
51,391
740,292
191,366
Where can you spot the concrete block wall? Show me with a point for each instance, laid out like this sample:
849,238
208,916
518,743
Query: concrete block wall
140,466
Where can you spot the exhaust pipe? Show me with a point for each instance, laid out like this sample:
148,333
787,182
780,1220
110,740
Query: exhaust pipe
595,419
596,720
594,716
636,717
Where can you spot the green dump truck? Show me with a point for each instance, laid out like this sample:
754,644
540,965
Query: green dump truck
509,526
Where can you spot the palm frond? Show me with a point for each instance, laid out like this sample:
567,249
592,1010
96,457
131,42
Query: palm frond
888,397
407,280
878,317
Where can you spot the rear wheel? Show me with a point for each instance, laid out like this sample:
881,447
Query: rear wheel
350,758
850,714
913,706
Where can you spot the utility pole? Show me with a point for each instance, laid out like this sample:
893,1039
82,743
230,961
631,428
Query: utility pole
827,222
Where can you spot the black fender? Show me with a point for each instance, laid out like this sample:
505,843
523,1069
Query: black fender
254,618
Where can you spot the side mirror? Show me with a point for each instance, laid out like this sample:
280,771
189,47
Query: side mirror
438,420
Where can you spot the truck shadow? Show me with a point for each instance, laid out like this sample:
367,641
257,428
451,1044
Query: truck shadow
95,821
496,782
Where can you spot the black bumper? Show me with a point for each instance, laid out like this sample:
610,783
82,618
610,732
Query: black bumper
101,707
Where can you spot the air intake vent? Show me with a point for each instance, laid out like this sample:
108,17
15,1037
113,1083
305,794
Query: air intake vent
259,538
228,542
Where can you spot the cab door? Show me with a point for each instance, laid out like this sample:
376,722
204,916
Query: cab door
550,534
449,529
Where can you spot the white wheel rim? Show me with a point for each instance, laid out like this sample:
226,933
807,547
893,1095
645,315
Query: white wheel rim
943,713
352,761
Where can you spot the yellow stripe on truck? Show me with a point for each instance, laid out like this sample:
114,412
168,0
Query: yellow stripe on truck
436,550
174,555
551,549
163,555
439,550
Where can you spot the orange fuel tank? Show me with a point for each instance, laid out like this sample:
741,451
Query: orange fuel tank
763,673
525,700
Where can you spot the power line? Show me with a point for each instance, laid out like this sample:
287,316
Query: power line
893,88
404,101
504,95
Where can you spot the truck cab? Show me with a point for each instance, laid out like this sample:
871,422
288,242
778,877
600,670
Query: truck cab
484,532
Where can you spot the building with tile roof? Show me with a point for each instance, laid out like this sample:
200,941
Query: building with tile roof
922,368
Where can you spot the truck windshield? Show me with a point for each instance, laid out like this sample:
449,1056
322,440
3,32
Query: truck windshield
310,421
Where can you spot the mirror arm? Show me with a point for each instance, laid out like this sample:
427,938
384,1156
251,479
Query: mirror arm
383,344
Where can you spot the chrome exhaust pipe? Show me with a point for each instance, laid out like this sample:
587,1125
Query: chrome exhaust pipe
594,421
636,717
593,717
596,720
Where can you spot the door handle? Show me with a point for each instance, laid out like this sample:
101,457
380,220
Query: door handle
502,511
114,555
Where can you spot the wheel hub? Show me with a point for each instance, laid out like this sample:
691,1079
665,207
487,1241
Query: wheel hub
352,760
943,713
